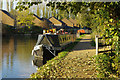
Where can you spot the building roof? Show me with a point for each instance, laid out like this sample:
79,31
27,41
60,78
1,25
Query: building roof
67,22
55,21
73,21
37,20
37,17
42,22
42,19
46,20
62,22
7,13
7,18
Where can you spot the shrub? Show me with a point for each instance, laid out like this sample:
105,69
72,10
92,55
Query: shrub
107,64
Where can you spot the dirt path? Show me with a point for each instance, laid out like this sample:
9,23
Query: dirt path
78,63
83,48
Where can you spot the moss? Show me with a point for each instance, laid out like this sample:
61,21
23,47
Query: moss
49,69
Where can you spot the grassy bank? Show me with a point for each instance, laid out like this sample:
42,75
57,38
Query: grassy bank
49,69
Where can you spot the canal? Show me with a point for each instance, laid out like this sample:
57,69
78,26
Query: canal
17,61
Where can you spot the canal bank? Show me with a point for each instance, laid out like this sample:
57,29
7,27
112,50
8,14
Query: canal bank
75,62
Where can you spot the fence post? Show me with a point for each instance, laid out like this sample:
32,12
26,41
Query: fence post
96,41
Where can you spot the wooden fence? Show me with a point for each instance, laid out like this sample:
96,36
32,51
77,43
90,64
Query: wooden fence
98,45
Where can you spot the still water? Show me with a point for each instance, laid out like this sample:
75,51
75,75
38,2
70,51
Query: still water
17,61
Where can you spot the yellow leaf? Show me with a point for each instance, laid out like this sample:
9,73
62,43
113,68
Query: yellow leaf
29,27
111,20
107,24
113,65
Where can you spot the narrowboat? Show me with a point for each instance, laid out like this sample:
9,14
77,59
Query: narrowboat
52,43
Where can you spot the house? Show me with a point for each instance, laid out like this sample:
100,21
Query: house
67,22
74,22
58,24
55,21
37,20
6,18
63,24
42,22
46,23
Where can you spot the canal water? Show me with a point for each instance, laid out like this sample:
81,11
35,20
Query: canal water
17,61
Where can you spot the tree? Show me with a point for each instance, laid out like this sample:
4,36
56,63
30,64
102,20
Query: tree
26,5
24,19
84,19
14,15
38,11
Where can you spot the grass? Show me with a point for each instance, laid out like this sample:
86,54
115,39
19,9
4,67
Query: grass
46,70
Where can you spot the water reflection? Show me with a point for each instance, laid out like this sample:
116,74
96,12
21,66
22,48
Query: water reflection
16,56
0,56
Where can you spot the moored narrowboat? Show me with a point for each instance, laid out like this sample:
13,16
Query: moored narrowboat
52,43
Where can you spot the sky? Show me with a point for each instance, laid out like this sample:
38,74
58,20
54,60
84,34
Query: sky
33,8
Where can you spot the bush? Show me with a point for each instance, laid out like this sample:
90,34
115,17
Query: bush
107,64
36,29
103,65
31,30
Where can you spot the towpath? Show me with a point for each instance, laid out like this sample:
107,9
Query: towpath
78,63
